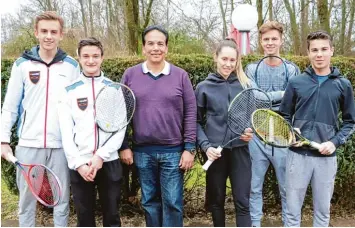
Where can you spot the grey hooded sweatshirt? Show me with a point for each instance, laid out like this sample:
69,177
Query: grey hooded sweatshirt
214,95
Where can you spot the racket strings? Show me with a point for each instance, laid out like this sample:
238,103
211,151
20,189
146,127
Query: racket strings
270,78
45,185
114,107
241,109
272,128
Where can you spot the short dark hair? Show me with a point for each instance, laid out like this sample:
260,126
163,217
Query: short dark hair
319,35
90,41
155,27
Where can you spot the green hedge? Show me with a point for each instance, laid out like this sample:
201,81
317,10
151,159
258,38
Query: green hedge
198,66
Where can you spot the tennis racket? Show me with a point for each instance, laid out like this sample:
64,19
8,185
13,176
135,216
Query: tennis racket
274,130
269,78
115,104
239,114
42,182
263,75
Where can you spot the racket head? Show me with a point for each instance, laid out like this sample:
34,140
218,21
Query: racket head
264,82
115,104
43,183
242,107
272,128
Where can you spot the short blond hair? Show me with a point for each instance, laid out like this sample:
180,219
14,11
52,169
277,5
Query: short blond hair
271,25
49,16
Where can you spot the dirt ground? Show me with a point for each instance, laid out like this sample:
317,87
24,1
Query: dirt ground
201,219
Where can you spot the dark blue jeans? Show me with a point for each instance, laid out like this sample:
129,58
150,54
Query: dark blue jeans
162,187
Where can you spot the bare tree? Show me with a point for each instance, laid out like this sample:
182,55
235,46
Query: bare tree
132,22
271,16
294,27
91,19
83,17
304,25
223,15
147,14
323,15
351,25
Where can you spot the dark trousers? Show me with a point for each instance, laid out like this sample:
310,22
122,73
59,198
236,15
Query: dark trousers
236,165
108,184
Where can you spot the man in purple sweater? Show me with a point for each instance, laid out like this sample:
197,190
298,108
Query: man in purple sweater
164,130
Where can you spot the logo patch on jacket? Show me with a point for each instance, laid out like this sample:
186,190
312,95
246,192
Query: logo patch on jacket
34,76
82,103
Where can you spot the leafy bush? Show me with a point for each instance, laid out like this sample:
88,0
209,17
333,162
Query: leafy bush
198,66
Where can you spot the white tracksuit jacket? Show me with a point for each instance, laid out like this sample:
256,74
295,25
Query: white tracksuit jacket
32,95
77,123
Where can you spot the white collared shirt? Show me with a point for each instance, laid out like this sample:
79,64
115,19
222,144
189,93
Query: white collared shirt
165,71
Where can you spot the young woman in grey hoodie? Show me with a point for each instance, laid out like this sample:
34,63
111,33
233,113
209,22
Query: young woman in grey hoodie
213,97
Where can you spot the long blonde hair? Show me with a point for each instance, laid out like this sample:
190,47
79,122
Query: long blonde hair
243,79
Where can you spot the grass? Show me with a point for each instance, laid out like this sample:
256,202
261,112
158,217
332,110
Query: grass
197,177
9,203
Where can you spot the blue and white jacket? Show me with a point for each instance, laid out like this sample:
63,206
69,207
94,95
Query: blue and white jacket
78,126
32,95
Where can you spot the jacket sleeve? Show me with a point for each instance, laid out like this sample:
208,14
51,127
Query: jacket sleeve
114,143
275,96
202,139
66,124
190,112
347,106
288,103
11,107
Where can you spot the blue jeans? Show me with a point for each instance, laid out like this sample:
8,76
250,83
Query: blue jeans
161,181
261,157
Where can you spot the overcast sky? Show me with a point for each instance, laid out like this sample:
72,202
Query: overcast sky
12,6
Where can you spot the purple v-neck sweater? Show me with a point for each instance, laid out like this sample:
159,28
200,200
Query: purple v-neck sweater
166,107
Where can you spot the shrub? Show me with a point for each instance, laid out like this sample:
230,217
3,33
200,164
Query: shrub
198,66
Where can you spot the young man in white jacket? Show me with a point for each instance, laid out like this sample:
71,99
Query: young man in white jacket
91,161
36,81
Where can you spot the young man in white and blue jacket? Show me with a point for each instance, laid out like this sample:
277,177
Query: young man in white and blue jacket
34,88
92,161
312,102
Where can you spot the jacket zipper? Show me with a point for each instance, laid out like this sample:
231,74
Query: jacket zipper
95,127
316,105
315,112
229,101
46,110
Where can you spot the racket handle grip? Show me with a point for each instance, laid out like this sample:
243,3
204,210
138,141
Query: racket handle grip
315,145
12,158
208,162
207,165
